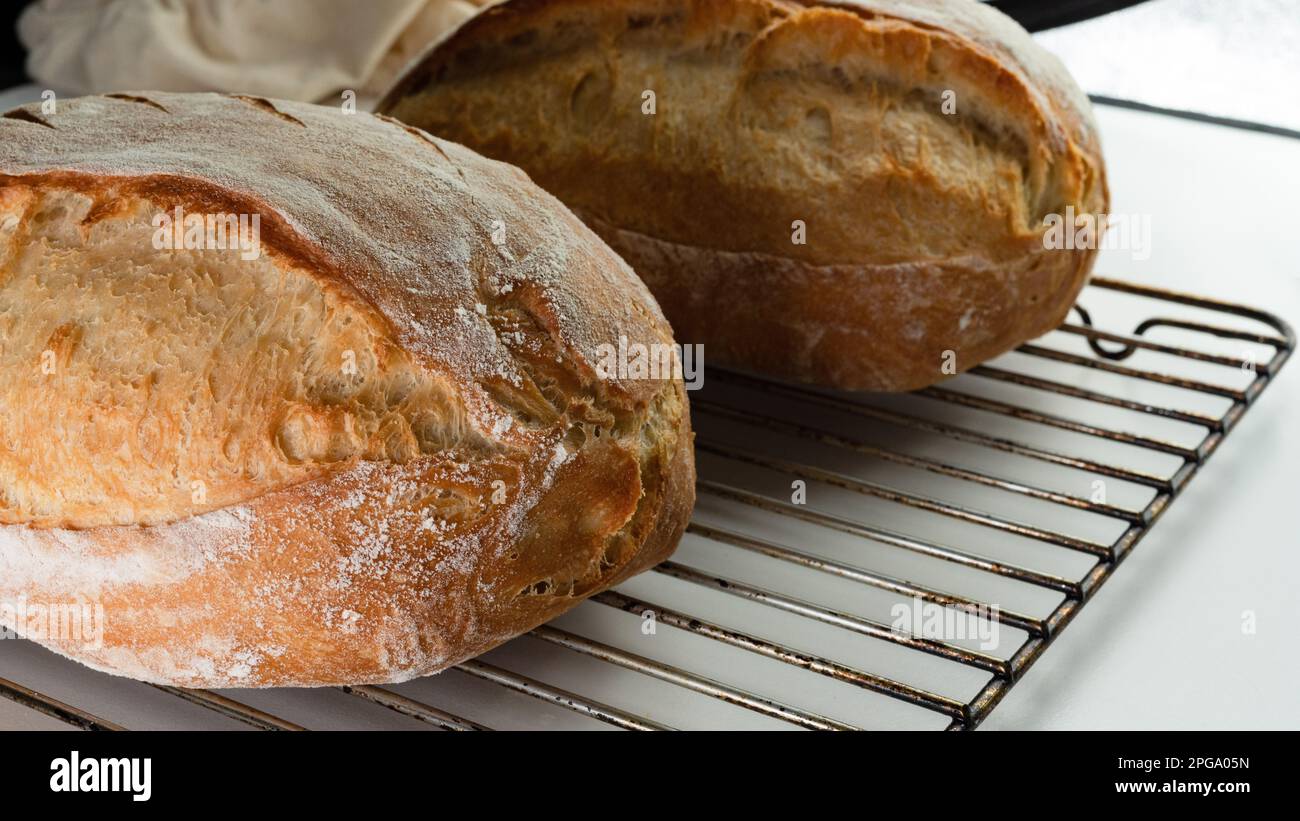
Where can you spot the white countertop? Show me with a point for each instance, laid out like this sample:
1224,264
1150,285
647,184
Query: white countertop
1162,645
19,95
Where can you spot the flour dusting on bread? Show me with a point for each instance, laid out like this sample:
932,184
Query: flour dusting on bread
362,455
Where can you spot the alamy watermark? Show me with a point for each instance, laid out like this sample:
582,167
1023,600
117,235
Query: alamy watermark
179,231
918,618
1073,231
658,360
72,773
78,623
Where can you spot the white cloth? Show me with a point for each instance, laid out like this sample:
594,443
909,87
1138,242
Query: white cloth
292,49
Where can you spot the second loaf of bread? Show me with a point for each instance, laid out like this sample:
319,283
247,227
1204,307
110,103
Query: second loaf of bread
837,192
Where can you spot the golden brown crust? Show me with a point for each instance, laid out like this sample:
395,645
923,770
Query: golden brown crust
859,327
770,112
478,476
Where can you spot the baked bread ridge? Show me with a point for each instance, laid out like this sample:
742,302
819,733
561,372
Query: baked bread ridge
247,512
775,111
804,323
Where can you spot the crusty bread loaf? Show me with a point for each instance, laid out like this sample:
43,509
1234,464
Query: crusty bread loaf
922,211
378,446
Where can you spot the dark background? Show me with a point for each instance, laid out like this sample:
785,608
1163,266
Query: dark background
1037,15
11,52
1034,15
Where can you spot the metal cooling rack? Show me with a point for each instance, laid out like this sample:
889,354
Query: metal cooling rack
1023,483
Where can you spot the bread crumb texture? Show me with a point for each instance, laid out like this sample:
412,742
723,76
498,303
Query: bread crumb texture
375,448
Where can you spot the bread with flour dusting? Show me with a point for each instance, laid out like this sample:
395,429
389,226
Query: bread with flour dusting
375,445
851,193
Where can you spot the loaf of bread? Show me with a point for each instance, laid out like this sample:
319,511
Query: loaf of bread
362,435
851,193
